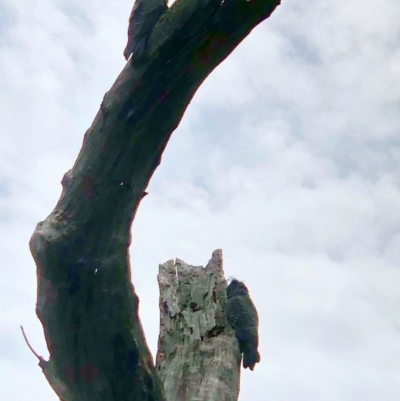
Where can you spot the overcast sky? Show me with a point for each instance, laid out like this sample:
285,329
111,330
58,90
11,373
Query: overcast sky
288,159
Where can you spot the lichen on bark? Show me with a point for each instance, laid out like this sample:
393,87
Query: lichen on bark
198,357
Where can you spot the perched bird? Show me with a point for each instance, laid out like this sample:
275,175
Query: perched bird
144,15
242,316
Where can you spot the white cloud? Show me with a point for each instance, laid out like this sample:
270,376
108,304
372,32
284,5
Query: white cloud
287,159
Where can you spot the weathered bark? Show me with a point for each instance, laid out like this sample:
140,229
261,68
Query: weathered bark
198,355
86,301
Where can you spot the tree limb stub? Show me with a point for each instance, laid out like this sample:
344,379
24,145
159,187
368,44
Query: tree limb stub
198,357
85,300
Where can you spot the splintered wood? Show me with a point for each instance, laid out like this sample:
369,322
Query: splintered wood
198,357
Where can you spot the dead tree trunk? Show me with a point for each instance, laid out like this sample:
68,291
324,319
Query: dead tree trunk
86,301
198,357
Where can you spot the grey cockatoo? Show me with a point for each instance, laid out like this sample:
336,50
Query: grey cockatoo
144,15
242,316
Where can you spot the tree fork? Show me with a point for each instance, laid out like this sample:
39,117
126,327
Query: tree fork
85,300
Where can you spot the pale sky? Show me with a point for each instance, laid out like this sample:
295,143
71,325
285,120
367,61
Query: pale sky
288,159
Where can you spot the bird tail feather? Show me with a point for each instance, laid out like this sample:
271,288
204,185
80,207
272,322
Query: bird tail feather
136,48
250,358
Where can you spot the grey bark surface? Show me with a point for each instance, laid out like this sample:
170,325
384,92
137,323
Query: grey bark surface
86,301
198,357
